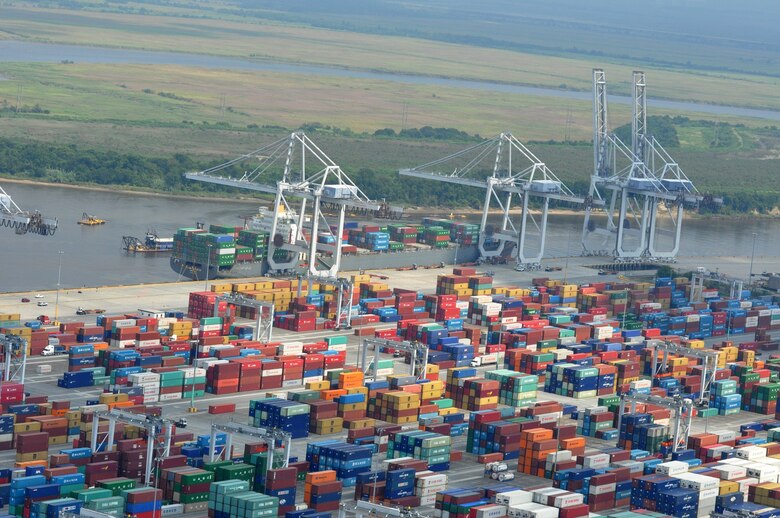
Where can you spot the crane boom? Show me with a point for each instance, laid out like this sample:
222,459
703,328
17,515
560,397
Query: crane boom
11,216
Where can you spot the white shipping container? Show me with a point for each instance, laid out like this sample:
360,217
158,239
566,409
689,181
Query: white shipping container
93,408
125,322
490,511
547,418
337,347
763,472
146,343
537,511
193,372
771,461
725,435
598,461
170,397
430,490
291,350
307,379
512,498
751,322
541,495
751,453
641,384
730,472
559,456
172,510
602,489
431,480
429,501
271,372
564,501
292,383
164,323
211,327
708,494
735,462
143,377
121,344
674,467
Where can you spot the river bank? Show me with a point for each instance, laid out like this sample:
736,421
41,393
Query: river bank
451,212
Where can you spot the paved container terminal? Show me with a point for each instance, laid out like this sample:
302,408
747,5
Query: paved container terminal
173,297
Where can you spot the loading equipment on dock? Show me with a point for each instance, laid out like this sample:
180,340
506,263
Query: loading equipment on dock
268,435
15,354
682,414
363,509
265,314
418,365
159,434
345,290
709,364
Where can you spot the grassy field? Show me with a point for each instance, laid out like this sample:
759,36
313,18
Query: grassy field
209,114
269,40
167,95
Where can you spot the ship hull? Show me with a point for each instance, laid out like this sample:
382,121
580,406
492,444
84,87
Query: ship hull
370,261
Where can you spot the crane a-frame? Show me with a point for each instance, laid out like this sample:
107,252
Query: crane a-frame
632,182
504,167
297,173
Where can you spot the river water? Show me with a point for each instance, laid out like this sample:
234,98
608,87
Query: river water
23,51
93,256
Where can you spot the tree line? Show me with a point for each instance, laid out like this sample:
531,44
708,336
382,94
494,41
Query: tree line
72,164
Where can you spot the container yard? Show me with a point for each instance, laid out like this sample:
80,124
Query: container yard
456,392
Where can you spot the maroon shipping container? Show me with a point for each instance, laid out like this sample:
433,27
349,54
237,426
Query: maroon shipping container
145,495
30,442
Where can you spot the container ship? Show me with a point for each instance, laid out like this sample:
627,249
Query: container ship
229,252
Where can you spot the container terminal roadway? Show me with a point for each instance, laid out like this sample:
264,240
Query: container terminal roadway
174,297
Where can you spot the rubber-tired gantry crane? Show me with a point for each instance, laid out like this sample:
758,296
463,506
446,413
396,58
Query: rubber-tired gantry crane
505,168
635,180
681,419
298,174
24,221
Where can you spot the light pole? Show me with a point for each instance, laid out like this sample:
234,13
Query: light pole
192,409
208,268
59,278
625,309
752,256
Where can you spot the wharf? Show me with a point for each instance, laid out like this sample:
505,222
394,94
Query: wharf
174,297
